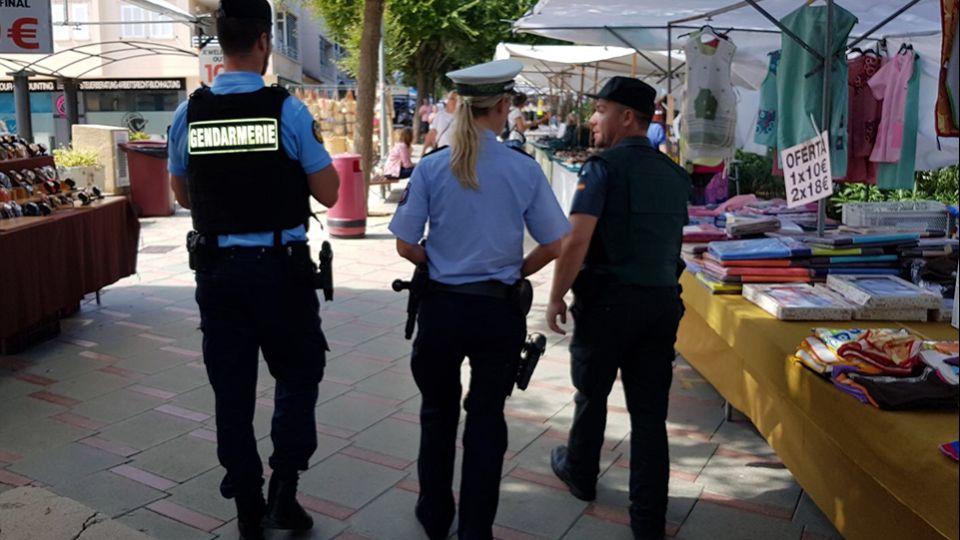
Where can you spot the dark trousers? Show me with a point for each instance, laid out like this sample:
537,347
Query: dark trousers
251,301
637,340
490,332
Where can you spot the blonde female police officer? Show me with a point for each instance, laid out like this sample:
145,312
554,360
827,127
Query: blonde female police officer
477,197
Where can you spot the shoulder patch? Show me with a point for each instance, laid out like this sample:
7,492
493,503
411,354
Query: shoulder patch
406,193
317,132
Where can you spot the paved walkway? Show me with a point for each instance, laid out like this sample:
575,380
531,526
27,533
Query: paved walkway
116,414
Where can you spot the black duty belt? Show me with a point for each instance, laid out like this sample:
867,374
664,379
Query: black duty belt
240,253
492,289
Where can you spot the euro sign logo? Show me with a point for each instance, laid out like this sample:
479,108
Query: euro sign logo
23,33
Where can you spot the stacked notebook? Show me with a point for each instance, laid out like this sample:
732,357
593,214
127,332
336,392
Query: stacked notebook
885,298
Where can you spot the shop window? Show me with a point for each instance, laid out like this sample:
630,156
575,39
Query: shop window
286,35
140,23
161,31
130,101
79,13
132,16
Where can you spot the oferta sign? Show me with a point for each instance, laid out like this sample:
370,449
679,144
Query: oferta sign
232,136
25,27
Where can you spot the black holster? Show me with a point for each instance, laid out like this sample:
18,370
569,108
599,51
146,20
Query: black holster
202,251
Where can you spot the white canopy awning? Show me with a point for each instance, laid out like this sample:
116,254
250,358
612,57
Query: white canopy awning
642,25
560,67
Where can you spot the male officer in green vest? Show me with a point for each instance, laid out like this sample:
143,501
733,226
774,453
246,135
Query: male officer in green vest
621,259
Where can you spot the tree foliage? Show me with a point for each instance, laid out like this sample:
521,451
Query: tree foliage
426,38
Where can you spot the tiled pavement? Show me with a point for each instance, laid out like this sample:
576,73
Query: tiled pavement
116,413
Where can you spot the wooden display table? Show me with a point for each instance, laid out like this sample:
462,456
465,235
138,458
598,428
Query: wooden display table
875,474
50,263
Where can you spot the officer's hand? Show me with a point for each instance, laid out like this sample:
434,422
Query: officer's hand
557,308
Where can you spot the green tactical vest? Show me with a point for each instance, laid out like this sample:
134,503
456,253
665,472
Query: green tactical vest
638,236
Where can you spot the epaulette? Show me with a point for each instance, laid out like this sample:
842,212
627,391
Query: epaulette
435,150
521,150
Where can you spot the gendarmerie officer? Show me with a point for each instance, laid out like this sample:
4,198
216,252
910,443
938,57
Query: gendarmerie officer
245,158
477,196
623,251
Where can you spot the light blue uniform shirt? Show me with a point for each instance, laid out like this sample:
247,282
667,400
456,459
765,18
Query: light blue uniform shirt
296,132
477,235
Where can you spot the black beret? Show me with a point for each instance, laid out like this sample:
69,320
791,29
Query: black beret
246,9
628,91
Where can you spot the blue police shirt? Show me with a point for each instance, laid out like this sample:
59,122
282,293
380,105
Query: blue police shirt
477,235
296,132
656,135
592,187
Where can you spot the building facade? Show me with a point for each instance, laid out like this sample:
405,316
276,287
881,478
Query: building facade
142,90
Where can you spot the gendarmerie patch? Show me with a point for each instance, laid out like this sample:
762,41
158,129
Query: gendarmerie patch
230,136
317,132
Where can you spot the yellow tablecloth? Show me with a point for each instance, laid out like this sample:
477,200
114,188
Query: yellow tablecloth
875,474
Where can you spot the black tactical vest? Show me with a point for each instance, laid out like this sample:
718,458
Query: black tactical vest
239,176
638,236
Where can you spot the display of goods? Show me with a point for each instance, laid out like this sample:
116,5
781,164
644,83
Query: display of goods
883,292
573,157
798,302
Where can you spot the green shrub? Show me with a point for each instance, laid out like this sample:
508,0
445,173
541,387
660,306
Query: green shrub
67,156
939,185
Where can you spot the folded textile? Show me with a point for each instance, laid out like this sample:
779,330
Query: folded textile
893,351
739,225
759,248
863,239
938,361
834,338
857,270
702,233
842,381
774,263
733,203
883,292
925,390
726,271
951,450
718,287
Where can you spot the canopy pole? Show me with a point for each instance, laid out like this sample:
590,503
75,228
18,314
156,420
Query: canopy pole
21,100
825,113
633,65
669,59
882,23
580,104
638,51
787,31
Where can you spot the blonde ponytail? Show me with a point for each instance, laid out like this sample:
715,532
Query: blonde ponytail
465,145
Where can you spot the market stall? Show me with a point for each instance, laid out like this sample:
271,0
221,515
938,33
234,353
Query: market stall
874,473
64,242
888,270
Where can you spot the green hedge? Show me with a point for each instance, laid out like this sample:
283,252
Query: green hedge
756,176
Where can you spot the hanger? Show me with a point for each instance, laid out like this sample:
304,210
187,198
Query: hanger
709,28
905,47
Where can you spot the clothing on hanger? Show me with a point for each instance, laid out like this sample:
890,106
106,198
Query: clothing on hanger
765,132
708,130
800,96
901,175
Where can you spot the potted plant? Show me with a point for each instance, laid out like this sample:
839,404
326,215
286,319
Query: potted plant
83,166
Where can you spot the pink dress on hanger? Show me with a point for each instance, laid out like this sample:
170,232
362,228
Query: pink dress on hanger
890,85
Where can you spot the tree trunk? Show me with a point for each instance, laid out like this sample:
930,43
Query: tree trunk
367,84
421,95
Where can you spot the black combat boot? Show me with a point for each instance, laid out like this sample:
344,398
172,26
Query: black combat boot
250,511
283,510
